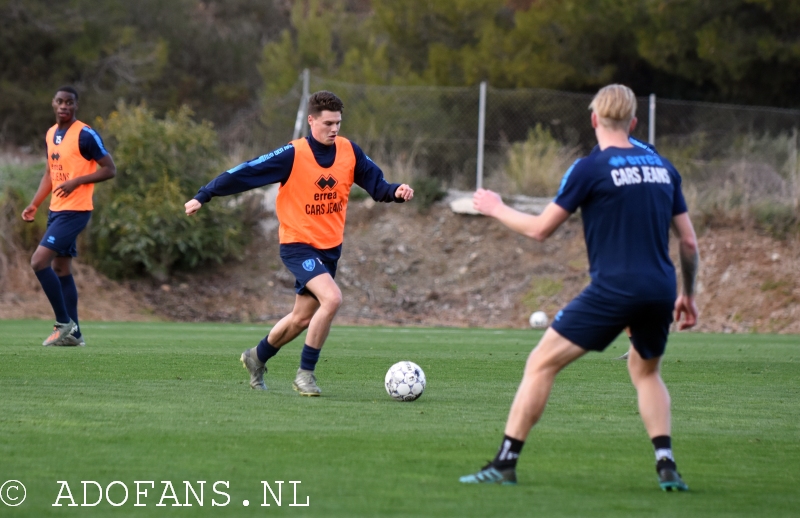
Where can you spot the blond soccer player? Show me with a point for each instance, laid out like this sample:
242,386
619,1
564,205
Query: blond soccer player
629,198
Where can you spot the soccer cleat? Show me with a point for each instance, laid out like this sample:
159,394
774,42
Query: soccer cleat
255,367
670,480
73,341
60,332
491,475
306,383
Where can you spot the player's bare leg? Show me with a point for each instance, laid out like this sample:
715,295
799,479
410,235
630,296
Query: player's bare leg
553,353
286,330
654,401
42,258
289,327
330,300
654,407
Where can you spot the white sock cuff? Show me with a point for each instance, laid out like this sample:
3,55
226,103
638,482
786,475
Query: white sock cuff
662,453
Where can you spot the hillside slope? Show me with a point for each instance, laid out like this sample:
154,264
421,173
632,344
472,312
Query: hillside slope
400,267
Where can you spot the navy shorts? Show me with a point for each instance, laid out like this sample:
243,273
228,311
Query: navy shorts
306,262
593,321
62,232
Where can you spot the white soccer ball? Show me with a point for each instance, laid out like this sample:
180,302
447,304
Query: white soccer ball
405,381
538,320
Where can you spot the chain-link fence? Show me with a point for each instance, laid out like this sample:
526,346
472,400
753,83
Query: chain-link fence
731,157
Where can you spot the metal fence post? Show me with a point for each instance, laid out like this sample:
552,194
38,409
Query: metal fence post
651,121
481,134
299,122
795,170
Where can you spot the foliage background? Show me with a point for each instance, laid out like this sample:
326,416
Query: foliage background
149,71
222,57
139,226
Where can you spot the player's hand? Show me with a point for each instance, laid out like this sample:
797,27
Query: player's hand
65,189
685,307
192,206
486,202
29,213
405,192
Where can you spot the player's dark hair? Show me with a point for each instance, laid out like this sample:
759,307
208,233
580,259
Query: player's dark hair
324,100
68,89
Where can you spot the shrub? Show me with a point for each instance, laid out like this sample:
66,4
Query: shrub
19,183
427,191
139,223
535,167
777,219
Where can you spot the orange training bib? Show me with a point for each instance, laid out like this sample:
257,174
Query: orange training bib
65,162
312,204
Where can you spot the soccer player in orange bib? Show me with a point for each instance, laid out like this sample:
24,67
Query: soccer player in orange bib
315,175
76,160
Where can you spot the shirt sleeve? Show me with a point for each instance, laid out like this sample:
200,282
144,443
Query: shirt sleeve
678,201
91,145
271,168
573,189
370,177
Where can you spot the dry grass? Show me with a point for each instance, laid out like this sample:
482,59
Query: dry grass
535,166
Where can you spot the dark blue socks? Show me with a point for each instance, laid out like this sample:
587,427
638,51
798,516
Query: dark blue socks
309,358
52,288
265,351
70,292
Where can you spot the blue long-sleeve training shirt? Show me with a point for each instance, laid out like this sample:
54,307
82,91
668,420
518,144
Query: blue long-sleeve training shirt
276,167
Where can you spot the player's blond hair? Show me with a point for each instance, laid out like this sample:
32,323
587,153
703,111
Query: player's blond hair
615,106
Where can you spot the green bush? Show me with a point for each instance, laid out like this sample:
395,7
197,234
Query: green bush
427,191
139,225
18,185
777,219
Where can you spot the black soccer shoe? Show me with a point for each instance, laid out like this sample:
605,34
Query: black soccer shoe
669,479
491,475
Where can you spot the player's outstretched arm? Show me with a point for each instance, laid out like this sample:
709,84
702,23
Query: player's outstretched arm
685,306
192,206
538,227
45,185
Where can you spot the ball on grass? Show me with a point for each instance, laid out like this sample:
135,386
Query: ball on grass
538,320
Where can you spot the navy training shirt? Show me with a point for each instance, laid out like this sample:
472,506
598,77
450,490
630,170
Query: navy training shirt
627,197
89,143
276,167
636,143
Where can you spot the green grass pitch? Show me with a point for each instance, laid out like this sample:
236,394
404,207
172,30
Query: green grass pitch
170,402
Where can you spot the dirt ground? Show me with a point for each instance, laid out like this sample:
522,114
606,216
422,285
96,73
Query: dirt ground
401,267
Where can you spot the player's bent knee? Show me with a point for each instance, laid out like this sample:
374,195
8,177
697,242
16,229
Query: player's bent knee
332,302
643,370
39,263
